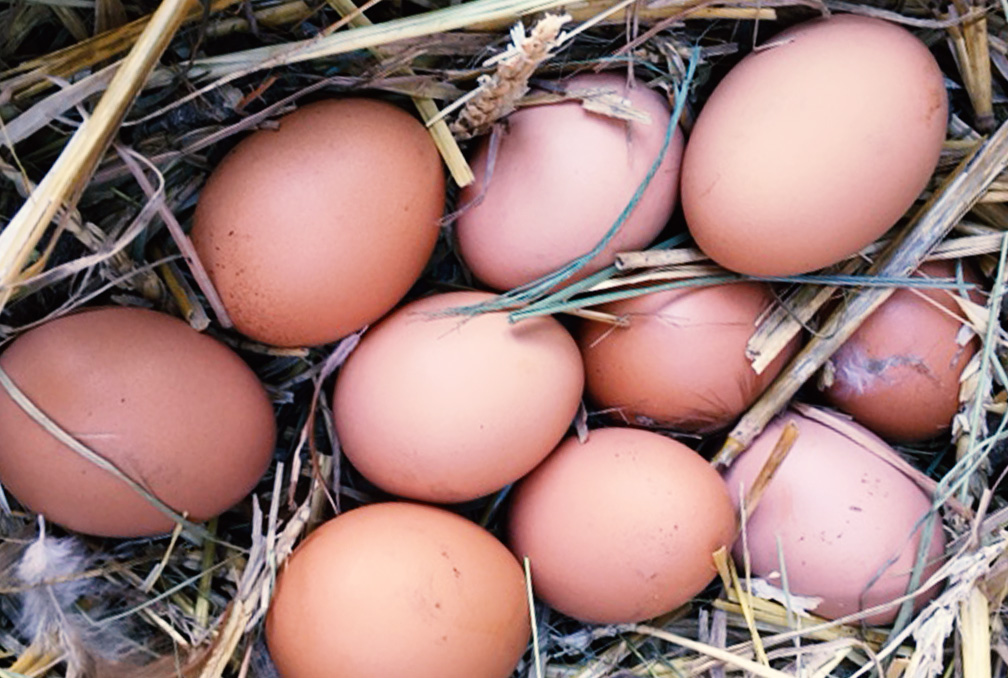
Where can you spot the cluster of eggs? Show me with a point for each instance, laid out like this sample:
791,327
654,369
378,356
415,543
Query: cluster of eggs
319,228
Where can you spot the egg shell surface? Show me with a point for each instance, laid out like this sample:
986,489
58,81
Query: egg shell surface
448,408
399,589
681,363
173,409
620,528
841,513
813,146
899,373
560,178
317,228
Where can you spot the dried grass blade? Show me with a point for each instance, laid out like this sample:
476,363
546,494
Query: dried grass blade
744,597
536,656
185,297
65,181
57,432
898,18
584,11
724,656
109,15
972,452
132,160
256,583
57,103
784,323
938,216
71,21
777,456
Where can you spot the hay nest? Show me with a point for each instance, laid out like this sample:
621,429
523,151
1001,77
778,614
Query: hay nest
106,224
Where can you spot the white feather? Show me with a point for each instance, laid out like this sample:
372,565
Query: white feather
44,606
50,574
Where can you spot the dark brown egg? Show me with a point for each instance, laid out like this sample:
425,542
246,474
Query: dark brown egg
317,228
173,409
899,373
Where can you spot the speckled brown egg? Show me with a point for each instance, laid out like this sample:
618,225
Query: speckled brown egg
173,409
847,522
399,589
560,178
622,527
681,362
448,408
899,373
813,146
314,229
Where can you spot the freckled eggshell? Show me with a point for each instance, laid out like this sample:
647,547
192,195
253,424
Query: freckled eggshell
174,409
841,513
899,373
812,148
446,409
681,363
314,230
621,528
561,177
399,589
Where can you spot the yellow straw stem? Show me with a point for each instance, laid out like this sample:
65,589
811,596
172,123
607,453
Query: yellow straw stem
65,181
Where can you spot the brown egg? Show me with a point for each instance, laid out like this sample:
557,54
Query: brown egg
173,409
622,527
899,374
399,589
315,229
813,146
561,177
446,409
840,513
682,361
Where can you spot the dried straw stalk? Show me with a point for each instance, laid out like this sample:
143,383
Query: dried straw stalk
975,631
366,37
428,109
972,52
725,656
790,317
586,10
35,74
69,175
938,216
787,320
